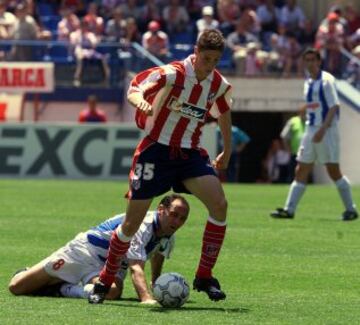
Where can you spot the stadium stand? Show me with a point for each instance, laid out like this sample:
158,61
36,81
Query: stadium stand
276,31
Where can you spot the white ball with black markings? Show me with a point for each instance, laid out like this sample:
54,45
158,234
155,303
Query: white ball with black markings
171,290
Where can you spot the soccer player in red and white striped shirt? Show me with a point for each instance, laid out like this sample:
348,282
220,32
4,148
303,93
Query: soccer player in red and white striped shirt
172,104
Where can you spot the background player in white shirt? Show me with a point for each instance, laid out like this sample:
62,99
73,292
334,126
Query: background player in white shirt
172,105
72,270
321,139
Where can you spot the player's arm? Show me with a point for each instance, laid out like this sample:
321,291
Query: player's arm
222,160
137,269
144,84
331,98
318,136
157,262
137,100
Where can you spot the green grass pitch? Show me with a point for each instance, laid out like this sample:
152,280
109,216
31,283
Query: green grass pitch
301,271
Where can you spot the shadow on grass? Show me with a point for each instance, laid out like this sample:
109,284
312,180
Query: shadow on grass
185,308
211,309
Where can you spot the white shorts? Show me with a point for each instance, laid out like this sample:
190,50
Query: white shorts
327,151
75,264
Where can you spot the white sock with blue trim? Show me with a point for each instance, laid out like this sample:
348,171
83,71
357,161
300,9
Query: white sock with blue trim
343,186
296,191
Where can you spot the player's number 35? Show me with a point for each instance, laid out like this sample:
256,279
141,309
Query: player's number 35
145,171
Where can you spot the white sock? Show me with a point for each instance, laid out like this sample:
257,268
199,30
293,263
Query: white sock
121,235
295,193
75,290
215,222
343,186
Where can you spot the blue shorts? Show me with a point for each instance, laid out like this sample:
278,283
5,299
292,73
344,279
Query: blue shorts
158,168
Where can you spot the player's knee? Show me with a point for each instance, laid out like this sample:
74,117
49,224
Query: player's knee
15,287
220,209
334,174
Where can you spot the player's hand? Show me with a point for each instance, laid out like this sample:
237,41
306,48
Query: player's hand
221,161
149,302
145,107
319,135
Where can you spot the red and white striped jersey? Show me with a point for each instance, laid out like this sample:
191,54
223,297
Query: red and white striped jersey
180,103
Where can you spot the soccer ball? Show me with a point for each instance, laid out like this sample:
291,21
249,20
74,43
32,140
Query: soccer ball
171,290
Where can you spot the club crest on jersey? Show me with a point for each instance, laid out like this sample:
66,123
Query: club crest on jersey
186,109
211,98
135,183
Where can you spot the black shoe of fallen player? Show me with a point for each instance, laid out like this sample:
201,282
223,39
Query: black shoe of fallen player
97,296
210,286
21,270
281,213
350,215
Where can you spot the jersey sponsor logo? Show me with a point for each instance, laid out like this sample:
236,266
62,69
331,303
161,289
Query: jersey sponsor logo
313,105
186,109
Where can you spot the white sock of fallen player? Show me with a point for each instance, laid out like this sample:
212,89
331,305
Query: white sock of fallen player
75,290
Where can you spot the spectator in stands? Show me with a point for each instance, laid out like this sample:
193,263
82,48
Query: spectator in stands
277,161
352,72
352,17
148,12
132,33
194,8
269,17
77,6
7,19
131,9
292,17
239,140
175,17
84,43
228,13
307,37
329,40
255,59
274,62
237,42
108,6
292,56
336,9
3,36
279,45
95,22
92,113
156,41
68,24
25,28
207,21
245,4
251,21
116,27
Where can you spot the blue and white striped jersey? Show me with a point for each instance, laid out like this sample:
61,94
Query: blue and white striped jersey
143,245
320,96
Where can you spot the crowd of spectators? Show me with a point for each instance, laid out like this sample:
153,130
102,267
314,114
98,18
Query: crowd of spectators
264,36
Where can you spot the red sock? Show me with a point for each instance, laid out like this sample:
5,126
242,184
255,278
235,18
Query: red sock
116,251
212,241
